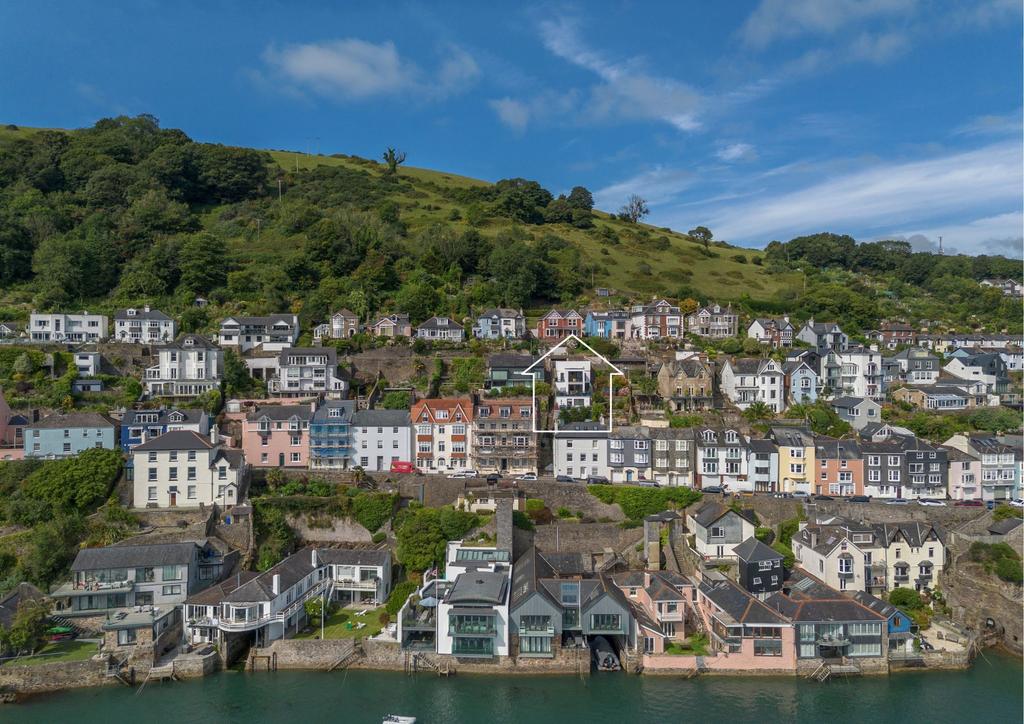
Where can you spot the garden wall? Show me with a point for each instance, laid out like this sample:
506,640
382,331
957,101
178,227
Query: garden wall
42,678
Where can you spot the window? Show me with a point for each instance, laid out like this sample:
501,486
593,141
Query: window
604,622
151,493
152,475
570,594
765,565
767,647
170,573
152,457
191,492
174,590
191,473
718,531
125,636
296,457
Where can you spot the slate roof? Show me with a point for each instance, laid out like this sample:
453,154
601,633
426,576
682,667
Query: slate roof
73,419
764,445
218,592
914,533
750,366
874,603
9,603
354,556
526,574
142,314
847,403
281,412
478,587
176,440
738,604
322,413
689,367
197,342
792,436
811,601
505,359
1004,526
191,415
134,556
754,550
330,352
501,314
292,570
381,418
440,323
711,512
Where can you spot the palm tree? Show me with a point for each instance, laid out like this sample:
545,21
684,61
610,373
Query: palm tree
758,411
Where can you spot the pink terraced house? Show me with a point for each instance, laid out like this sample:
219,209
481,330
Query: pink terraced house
277,436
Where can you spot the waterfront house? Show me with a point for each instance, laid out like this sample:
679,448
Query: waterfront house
946,396
500,324
380,438
508,370
115,577
342,325
271,333
673,454
535,610
503,436
185,469
65,435
332,436
391,325
718,529
760,567
796,457
558,324
840,467
722,457
843,554
831,625
607,324
205,606
762,467
277,436
189,367
358,575
898,624
686,384
580,450
750,380
713,322
58,327
443,429
629,454
776,333
858,411
658,320
442,329
915,553
139,426
144,326
823,336
659,601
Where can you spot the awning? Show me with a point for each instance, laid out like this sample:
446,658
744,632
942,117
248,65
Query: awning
428,602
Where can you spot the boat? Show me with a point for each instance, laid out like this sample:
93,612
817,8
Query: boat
398,719
604,654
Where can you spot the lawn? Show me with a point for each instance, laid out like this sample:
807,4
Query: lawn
58,651
341,624
696,645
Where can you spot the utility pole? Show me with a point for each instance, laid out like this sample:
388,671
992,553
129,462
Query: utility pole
279,189
940,246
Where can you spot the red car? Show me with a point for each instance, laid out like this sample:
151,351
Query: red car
399,466
969,504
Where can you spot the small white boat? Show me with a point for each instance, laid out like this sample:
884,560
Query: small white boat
397,719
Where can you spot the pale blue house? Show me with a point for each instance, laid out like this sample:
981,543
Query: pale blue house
801,382
61,436
608,325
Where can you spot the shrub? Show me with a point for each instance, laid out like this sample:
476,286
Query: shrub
906,598
1004,511
1010,570
788,558
739,258
765,535
637,502
564,512
373,510
398,595
379,536
521,520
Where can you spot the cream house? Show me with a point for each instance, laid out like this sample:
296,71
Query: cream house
184,469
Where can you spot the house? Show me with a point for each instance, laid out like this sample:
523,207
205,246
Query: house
840,467
659,602
610,324
441,328
831,625
946,396
687,384
65,435
860,373
277,436
391,325
762,467
796,457
272,333
500,324
843,554
987,367
121,576
997,467
629,454
719,529
1009,287
927,469
306,372
580,450
801,381
88,364
963,479
895,334
487,498
673,455
139,426
185,469
505,369
760,567
342,325
144,326
80,386
657,320
12,432
503,436
558,324
750,380
267,607
912,366
443,429
744,633
189,367
774,332
11,330
858,411
332,435
204,606
884,468
573,380
823,336
898,624
722,458
915,553
713,322
57,327
380,438
357,575
11,601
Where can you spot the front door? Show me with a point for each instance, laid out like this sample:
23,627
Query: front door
719,551
174,499
504,463
280,460
380,462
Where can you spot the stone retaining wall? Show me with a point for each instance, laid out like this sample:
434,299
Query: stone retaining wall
308,653
42,678
341,530
585,537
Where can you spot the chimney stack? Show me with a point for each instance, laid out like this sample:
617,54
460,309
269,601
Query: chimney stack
314,558
503,524
214,435
275,584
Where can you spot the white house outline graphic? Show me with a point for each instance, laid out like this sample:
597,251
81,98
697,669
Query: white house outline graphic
611,381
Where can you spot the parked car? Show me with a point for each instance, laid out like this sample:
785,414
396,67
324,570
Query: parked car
459,474
823,497
527,477
597,480
1017,502
493,479
647,484
968,504
932,502
712,489
897,501
780,494
860,498
800,494
565,479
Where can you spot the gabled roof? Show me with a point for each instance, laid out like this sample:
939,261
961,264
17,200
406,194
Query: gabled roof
809,600
190,341
154,314
426,410
529,568
848,403
752,366
354,556
381,418
738,604
875,604
711,512
291,570
329,352
1004,526
689,367
915,533
188,416
792,436
134,556
508,359
501,313
73,420
281,412
440,323
348,314
175,440
754,550
218,592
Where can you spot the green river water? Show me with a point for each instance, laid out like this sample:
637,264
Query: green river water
991,691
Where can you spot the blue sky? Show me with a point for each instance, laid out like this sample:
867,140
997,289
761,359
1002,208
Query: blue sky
762,120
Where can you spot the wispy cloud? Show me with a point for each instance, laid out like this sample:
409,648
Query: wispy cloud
1010,124
355,69
514,114
736,152
657,185
985,183
997,234
775,20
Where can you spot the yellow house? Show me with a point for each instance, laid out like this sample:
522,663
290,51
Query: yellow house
797,466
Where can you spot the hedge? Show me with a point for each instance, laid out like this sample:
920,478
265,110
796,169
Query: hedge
637,502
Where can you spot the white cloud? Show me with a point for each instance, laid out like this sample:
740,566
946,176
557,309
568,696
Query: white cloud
736,152
998,234
993,125
890,196
657,185
511,112
774,20
354,69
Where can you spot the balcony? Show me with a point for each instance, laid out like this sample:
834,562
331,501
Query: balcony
846,575
353,585
482,648
87,588
901,576
534,630
419,620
